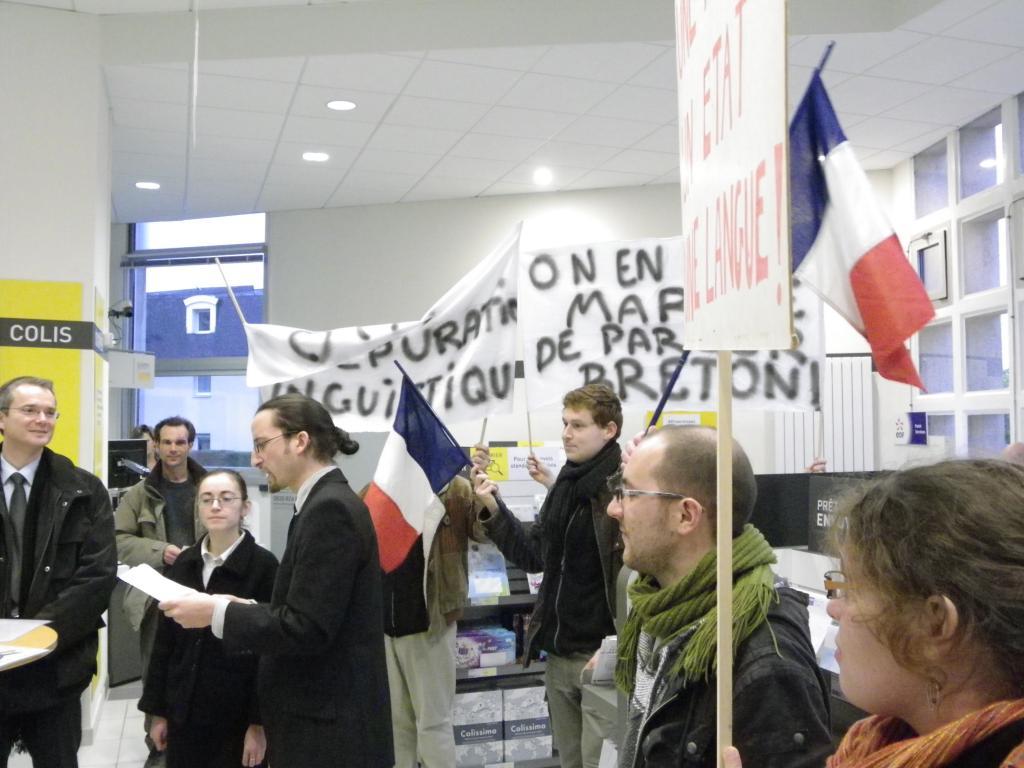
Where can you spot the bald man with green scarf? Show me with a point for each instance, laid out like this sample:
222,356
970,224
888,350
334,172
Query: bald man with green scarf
665,503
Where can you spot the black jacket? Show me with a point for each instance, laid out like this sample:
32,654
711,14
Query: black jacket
322,674
191,678
780,703
531,550
74,569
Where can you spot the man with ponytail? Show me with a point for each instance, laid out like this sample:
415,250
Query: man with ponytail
322,681
665,503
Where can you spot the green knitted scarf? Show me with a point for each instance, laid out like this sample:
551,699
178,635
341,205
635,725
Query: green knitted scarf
666,613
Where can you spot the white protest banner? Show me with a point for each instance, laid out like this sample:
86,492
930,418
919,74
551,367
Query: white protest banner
461,354
734,173
614,311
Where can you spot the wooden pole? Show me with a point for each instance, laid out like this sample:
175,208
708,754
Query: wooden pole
724,533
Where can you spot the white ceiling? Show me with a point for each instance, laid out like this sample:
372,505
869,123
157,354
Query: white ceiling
493,97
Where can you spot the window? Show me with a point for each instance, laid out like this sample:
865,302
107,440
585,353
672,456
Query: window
931,180
185,315
981,153
986,341
935,357
200,314
987,433
202,441
984,252
203,386
942,425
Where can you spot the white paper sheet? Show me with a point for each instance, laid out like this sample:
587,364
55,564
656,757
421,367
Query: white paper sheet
12,657
154,584
11,629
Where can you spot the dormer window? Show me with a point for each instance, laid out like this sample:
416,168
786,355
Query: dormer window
201,314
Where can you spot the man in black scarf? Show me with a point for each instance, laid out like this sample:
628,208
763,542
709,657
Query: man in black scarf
576,545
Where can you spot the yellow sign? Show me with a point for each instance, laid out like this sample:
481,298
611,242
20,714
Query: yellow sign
684,418
48,301
497,470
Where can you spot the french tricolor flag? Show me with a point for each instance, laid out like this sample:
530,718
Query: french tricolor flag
420,457
844,247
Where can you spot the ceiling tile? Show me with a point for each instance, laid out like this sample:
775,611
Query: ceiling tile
244,93
405,138
231,122
856,52
520,59
345,197
460,82
327,131
234,149
391,161
213,198
631,102
147,167
290,153
63,5
672,177
144,142
170,187
660,73
208,4
925,140
884,160
938,60
946,106
608,62
216,169
290,198
798,78
471,168
283,69
573,155
865,95
556,94
607,131
1005,77
151,115
882,132
664,139
311,101
561,175
638,161
130,6
146,83
945,14
381,182
602,179
379,72
432,188
509,188
528,123
490,147
1001,23
442,114
314,175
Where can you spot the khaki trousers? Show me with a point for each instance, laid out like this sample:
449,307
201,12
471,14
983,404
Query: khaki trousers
421,674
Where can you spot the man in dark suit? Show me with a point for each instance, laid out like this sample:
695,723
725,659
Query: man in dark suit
323,682
58,562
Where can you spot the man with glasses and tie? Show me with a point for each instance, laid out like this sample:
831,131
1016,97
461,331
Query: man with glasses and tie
58,563
155,520
665,501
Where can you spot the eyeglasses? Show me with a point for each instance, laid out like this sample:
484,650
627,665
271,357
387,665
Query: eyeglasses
225,499
620,492
34,412
836,586
258,446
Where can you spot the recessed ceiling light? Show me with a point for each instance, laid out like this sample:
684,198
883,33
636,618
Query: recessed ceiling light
543,176
315,157
341,105
146,185
988,162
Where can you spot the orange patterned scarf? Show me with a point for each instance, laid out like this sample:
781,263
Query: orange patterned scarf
877,742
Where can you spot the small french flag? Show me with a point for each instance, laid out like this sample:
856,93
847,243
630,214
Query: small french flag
844,247
420,457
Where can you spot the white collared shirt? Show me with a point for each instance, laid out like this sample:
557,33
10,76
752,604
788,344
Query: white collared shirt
212,561
28,472
304,490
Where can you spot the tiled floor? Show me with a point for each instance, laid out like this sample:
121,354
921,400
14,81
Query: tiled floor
117,741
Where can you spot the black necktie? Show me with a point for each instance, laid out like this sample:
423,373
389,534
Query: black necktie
291,523
16,510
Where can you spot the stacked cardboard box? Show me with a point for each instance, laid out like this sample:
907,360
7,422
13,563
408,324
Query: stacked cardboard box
527,725
477,721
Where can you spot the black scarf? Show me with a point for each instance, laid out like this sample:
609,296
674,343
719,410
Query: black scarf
576,484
